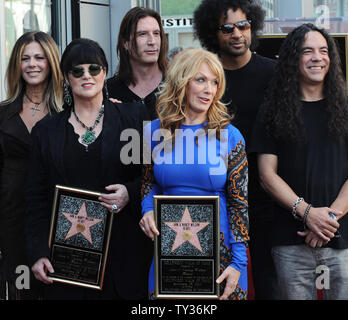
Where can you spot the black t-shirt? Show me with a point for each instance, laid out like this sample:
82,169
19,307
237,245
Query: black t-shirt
118,90
245,91
315,169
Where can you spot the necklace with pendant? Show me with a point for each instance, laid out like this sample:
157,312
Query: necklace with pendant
89,136
35,107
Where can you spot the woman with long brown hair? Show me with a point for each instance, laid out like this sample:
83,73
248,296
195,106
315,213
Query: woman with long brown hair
34,89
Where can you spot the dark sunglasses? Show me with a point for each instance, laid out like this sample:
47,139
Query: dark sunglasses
229,27
93,69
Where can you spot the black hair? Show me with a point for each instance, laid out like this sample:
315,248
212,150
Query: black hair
206,19
282,115
82,51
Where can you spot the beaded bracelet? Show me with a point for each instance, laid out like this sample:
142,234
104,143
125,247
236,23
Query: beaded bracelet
297,202
305,216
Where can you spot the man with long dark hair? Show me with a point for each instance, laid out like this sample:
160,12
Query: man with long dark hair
230,29
142,49
301,137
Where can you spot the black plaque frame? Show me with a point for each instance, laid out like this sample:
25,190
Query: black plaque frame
187,272
75,260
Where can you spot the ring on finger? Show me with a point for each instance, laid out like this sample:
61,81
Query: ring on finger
114,207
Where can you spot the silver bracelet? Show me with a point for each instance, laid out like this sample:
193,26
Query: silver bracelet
305,216
297,202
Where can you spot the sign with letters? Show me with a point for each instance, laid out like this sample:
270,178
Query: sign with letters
79,237
187,256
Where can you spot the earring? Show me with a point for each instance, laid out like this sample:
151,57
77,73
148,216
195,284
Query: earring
67,95
106,91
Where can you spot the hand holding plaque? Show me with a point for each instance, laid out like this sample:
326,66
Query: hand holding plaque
231,276
147,224
39,270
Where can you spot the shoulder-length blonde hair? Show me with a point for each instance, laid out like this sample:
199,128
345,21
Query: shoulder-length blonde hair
172,102
53,96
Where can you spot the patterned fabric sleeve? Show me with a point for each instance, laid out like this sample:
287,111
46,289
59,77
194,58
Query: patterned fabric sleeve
237,201
149,187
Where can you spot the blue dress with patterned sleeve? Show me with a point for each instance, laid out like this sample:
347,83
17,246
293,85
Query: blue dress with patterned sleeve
201,164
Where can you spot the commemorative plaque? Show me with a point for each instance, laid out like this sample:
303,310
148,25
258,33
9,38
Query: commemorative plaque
79,237
187,255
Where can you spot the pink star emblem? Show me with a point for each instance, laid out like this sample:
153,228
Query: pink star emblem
80,223
186,230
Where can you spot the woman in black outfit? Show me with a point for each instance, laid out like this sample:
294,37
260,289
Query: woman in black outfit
81,147
34,90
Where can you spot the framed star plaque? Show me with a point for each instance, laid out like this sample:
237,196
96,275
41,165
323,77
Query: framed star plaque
79,237
187,258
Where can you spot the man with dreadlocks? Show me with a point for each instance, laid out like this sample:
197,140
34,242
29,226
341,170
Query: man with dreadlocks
230,28
301,137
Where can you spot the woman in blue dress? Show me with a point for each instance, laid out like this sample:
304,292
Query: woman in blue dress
196,151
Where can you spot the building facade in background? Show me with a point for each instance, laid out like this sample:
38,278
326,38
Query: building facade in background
100,20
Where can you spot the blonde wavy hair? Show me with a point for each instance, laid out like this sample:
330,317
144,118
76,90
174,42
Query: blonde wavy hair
172,101
53,96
